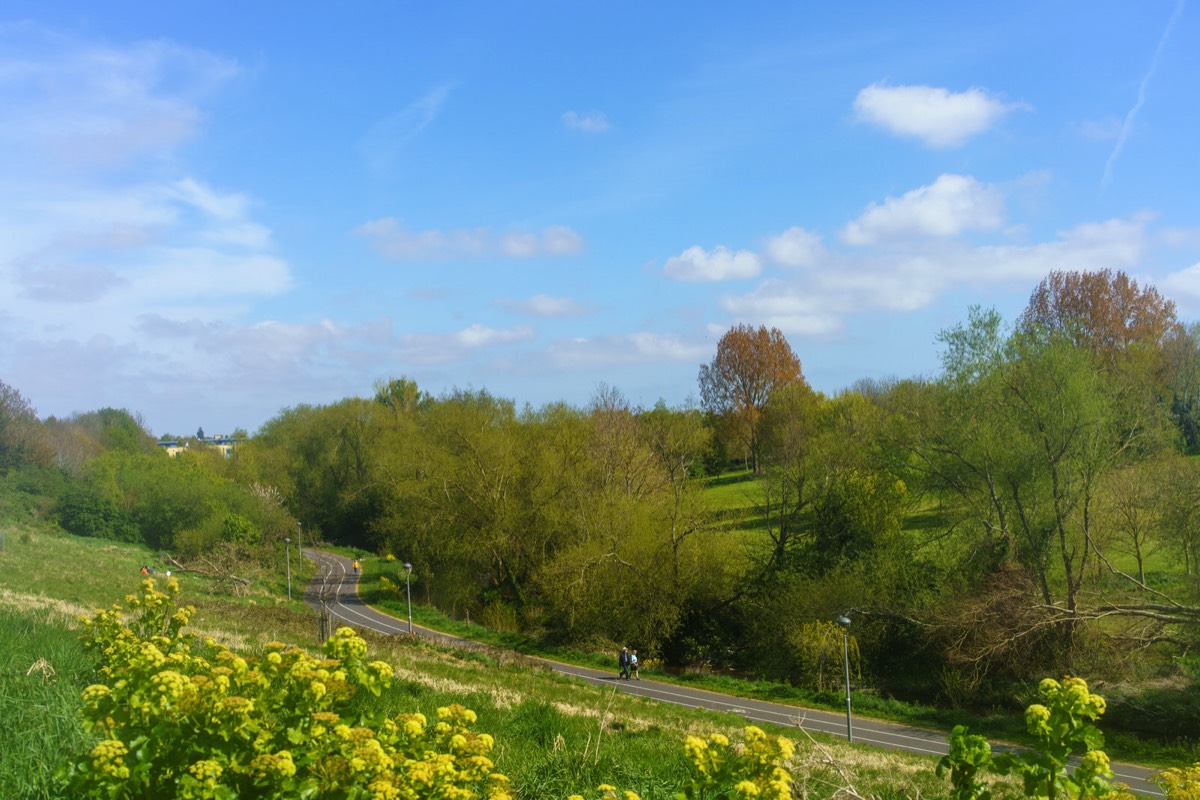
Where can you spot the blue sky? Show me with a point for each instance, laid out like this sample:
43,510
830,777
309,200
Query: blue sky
212,211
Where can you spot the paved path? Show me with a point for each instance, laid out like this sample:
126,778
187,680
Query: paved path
337,576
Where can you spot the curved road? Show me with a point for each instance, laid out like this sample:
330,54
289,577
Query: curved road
339,582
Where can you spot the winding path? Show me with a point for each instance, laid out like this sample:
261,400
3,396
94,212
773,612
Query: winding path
337,577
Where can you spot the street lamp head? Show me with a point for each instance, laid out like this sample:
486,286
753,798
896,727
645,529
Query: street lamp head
407,566
287,540
844,621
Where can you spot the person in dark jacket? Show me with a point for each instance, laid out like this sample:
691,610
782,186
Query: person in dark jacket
623,663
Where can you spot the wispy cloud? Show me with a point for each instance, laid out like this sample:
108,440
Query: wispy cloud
455,346
100,218
383,142
70,104
543,305
938,117
393,240
1131,117
69,283
586,122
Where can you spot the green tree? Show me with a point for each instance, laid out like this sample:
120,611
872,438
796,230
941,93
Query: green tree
22,440
116,429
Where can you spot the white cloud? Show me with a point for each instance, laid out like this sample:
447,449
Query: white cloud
1185,282
949,206
1112,244
913,275
482,336
795,247
519,244
100,221
697,264
937,116
587,122
394,241
542,305
630,349
787,307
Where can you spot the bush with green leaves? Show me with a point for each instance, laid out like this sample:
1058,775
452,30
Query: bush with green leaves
1061,725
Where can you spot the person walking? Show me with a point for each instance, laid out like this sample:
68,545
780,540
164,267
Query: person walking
356,566
633,665
623,663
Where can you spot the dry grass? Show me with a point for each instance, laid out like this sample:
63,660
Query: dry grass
48,609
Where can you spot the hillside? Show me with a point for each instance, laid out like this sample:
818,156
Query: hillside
555,735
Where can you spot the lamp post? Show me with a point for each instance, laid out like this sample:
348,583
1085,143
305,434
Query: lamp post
408,593
299,538
287,549
844,621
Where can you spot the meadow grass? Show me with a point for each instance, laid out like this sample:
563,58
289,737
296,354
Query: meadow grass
555,735
42,669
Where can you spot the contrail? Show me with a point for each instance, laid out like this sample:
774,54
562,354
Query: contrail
1127,125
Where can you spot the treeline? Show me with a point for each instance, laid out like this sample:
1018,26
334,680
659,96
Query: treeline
100,474
1032,509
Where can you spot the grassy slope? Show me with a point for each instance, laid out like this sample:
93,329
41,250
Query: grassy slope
733,496
555,735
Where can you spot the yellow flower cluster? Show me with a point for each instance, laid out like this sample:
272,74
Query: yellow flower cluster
219,724
215,723
752,769
1066,706
608,792
107,759
1180,783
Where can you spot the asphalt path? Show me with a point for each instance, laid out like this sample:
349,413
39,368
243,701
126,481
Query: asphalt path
340,583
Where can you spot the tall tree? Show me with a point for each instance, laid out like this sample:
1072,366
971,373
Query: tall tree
1104,312
750,365
22,442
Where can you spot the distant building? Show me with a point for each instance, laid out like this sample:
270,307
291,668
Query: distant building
223,443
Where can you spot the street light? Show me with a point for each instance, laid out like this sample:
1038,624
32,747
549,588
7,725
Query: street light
287,549
299,538
844,621
408,593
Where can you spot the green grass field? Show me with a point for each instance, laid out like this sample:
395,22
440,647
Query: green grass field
555,735
550,729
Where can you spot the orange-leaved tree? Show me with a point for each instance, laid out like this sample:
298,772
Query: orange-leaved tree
750,365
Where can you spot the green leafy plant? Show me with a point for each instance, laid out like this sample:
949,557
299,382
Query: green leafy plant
1061,725
970,757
